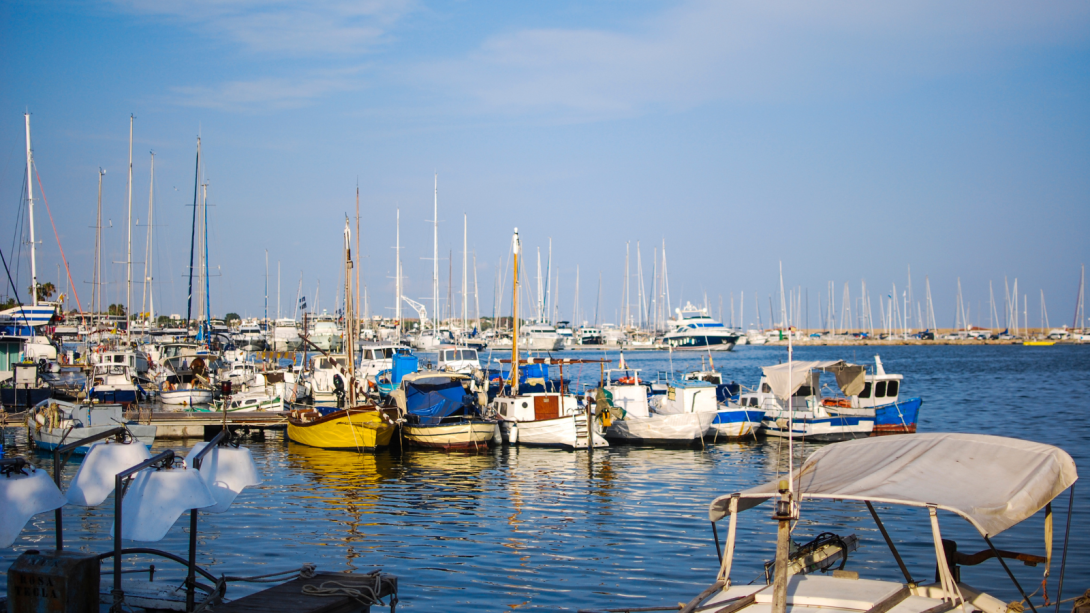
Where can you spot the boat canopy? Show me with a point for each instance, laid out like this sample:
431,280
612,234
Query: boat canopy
786,379
994,482
432,396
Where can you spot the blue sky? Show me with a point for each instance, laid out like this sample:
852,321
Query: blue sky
849,140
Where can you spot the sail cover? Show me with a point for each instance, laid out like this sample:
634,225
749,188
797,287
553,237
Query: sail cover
992,481
430,399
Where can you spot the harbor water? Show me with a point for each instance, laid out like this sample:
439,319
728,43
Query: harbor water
522,528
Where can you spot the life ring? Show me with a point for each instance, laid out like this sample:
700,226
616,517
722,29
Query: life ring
843,403
627,381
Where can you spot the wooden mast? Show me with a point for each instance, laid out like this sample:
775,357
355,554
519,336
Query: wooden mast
348,315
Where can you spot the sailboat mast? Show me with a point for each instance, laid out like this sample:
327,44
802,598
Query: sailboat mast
207,285
476,295
357,311
515,318
30,208
96,296
465,270
435,257
148,245
128,250
397,275
193,240
348,311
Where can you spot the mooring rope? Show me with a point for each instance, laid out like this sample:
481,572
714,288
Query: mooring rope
366,592
305,572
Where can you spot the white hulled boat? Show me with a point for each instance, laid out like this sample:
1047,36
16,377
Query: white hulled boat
694,329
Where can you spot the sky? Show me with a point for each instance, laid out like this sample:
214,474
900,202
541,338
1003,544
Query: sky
847,141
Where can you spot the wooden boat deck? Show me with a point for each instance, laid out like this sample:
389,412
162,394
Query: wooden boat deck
290,597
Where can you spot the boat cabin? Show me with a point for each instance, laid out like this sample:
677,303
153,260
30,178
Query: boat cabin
459,359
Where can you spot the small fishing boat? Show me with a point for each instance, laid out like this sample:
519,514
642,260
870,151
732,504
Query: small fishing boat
254,399
361,428
462,360
542,413
880,399
790,396
702,391
114,383
441,412
992,482
633,420
52,423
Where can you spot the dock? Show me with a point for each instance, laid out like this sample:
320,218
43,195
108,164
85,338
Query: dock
322,593
186,424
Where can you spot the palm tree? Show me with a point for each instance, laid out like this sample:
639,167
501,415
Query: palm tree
45,290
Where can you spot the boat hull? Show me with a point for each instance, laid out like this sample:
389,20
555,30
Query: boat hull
185,398
828,429
49,439
898,418
355,429
568,432
678,429
734,423
701,341
16,399
470,435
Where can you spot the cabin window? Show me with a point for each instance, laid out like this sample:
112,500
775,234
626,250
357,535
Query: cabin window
467,354
866,390
765,389
891,389
450,355
880,389
805,391
752,402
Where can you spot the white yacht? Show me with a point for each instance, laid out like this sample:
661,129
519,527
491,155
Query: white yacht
694,329
542,337
285,336
326,335
587,335
431,340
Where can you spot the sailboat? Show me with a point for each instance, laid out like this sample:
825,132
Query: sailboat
544,418
359,427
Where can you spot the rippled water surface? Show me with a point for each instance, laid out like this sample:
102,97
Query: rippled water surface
627,526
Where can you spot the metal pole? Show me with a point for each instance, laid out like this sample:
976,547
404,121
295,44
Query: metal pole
1067,535
191,577
889,541
1010,574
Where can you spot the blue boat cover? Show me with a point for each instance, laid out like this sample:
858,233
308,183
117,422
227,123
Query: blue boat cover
404,364
430,400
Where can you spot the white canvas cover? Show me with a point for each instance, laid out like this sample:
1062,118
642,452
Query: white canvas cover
155,500
994,482
226,471
95,479
23,497
849,377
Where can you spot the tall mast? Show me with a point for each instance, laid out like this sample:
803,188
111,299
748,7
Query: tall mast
148,246
266,291
476,295
397,275
435,257
348,311
193,240
357,311
515,318
540,292
575,302
207,284
128,251
96,296
624,294
30,208
548,284
465,262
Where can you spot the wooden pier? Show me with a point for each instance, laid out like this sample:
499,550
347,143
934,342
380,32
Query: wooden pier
185,424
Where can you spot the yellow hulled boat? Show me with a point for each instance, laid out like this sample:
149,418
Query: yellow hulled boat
359,428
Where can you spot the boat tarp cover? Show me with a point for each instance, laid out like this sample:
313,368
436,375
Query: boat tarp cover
994,482
849,377
432,399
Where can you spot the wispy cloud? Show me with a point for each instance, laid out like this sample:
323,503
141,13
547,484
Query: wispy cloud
708,50
284,27
268,94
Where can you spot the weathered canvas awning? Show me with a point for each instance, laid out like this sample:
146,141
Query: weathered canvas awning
994,482
786,379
